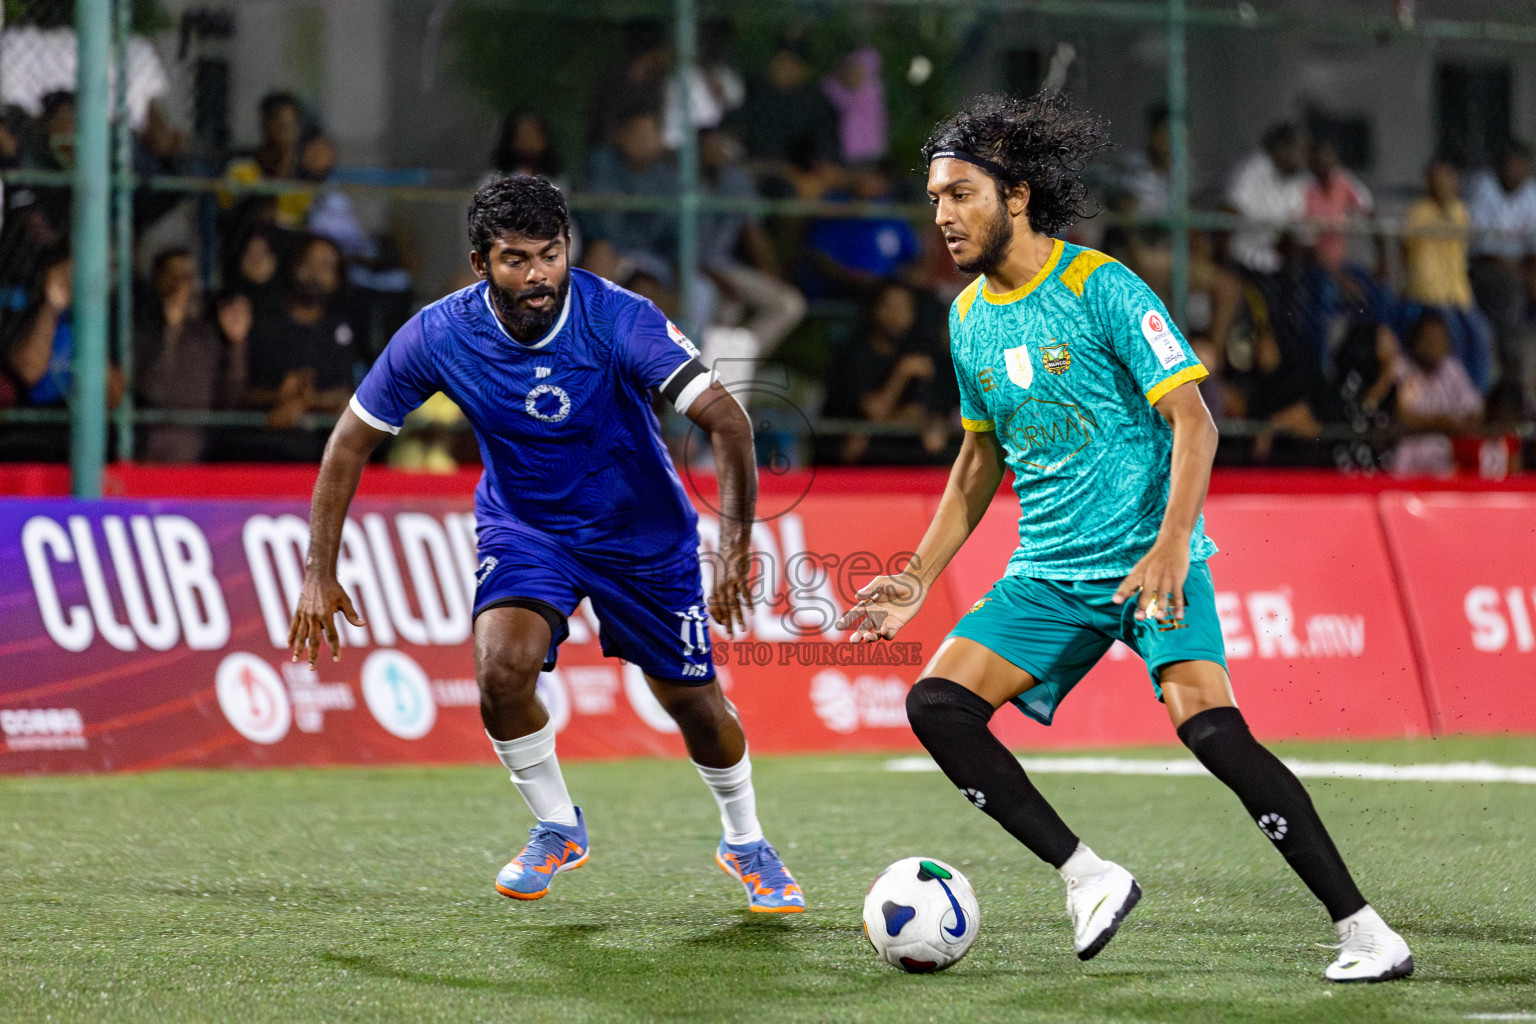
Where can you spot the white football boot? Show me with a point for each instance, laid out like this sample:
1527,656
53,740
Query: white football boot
1369,950
1098,903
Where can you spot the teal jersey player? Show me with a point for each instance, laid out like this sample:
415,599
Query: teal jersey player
1066,371
1073,376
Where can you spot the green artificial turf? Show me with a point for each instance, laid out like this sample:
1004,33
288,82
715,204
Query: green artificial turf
341,895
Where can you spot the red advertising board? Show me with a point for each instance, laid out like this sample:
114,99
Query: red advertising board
1315,638
1467,566
142,634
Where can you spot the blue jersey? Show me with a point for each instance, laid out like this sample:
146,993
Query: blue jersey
571,447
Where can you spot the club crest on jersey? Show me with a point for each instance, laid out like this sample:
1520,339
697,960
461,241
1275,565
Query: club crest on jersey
1055,358
548,402
1020,370
676,334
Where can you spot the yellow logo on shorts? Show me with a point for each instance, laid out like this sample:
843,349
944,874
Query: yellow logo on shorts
977,606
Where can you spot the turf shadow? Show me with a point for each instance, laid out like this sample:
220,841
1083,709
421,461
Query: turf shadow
371,967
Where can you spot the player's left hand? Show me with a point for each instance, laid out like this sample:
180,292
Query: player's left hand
730,602
1159,577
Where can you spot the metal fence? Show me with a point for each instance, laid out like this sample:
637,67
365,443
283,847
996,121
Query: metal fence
409,95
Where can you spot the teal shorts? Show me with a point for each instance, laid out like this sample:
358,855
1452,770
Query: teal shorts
1056,630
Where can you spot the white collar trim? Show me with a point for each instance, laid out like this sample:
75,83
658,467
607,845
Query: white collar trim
565,311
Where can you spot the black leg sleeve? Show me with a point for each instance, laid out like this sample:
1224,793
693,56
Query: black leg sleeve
951,722
1276,800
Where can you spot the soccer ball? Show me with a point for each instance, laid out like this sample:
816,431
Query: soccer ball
921,915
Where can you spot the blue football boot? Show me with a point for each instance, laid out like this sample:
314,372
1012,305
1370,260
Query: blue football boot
552,848
771,889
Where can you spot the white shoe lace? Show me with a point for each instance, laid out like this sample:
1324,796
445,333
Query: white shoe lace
1358,943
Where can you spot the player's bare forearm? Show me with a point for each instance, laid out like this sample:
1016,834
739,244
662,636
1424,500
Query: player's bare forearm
1194,450
1158,578
889,602
322,597
973,483
346,453
720,416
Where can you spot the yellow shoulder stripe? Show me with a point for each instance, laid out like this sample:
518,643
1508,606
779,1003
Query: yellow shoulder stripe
977,426
1157,391
967,297
1082,267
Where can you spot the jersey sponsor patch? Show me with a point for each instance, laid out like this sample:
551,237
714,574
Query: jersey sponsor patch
1164,345
676,334
1056,359
1020,370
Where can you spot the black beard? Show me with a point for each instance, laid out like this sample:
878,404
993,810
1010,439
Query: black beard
995,247
528,325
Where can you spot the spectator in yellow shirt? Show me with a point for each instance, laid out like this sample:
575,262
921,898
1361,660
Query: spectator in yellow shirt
1435,256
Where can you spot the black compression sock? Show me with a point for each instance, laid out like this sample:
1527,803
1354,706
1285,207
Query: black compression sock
1275,798
952,721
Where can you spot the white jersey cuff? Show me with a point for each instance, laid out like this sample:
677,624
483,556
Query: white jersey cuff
369,418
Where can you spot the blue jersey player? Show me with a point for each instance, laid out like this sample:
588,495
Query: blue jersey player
1073,376
556,370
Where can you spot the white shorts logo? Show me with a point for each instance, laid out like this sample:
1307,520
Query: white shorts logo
398,695
1164,345
1020,370
531,403
487,566
253,698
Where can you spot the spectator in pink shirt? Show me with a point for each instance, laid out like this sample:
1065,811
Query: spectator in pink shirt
1435,399
1335,197
857,93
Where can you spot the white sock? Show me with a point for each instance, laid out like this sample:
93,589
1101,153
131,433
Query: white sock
1083,863
536,774
738,802
1366,917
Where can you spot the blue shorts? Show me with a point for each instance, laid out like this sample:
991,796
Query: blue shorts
653,615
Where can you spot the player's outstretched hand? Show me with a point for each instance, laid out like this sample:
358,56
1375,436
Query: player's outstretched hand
319,602
1159,577
884,606
730,602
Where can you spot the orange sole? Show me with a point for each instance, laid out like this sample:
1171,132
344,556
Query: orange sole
752,906
545,891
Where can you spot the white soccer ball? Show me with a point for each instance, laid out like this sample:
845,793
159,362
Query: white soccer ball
921,915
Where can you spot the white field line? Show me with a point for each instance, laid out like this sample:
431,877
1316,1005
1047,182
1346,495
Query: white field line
1500,1016
1456,771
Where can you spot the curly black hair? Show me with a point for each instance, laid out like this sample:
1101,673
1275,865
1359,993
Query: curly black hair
516,204
1042,141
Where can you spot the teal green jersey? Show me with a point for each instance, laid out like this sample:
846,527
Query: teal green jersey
1066,371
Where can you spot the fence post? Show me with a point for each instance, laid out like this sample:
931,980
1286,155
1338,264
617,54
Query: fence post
1178,144
688,170
123,229
88,242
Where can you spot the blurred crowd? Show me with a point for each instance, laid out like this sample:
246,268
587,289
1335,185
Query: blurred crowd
1304,321
1305,316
